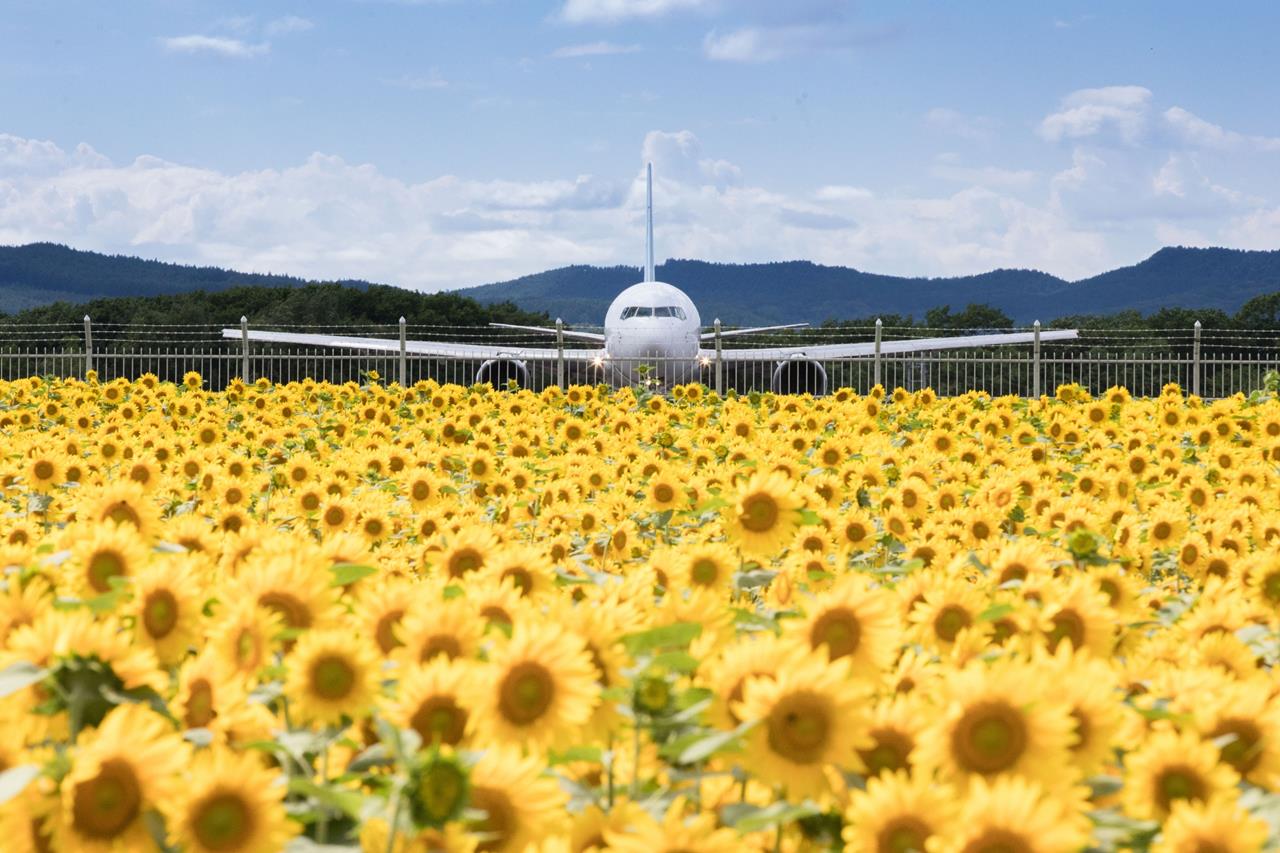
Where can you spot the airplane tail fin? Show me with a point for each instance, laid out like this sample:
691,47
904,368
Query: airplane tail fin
648,237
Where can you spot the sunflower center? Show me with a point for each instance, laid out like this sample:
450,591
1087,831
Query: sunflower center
421,490
222,822
663,493
121,513
463,561
1082,728
989,738
248,649
332,678
521,579
104,806
950,621
1067,625
892,751
1178,782
903,835
160,613
439,718
1161,531
43,469
525,693
500,818
799,728
442,788
1243,753
759,512
998,841
440,644
199,704
839,630
1271,587
103,566
704,572
385,632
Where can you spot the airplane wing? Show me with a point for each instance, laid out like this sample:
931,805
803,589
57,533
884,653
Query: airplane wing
440,349
731,333
568,333
819,351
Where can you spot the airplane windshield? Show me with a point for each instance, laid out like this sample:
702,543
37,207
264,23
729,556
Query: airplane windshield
661,311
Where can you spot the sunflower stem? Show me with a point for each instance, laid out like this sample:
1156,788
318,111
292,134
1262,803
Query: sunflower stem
635,761
322,825
609,788
394,828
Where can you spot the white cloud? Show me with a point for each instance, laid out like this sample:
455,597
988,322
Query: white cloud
1195,131
327,218
288,24
1122,110
769,43
947,120
217,45
612,11
595,48
418,82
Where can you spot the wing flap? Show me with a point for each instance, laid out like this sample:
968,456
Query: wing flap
440,349
866,348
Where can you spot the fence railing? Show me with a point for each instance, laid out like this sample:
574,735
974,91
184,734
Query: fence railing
1212,363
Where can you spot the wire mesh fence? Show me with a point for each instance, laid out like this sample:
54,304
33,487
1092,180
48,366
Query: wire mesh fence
1213,363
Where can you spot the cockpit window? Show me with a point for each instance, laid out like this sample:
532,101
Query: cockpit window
644,312
661,311
664,311
677,311
628,313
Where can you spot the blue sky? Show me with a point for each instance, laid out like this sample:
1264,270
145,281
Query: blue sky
446,143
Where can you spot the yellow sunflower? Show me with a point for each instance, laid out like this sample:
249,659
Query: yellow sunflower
435,701
118,772
1012,813
539,687
1221,826
810,717
1172,767
763,515
331,675
521,805
106,552
167,606
853,621
896,813
677,832
228,801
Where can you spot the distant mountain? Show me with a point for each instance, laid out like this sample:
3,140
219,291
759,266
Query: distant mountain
739,294
800,291
42,273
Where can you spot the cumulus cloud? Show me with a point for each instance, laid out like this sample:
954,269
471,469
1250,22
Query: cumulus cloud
215,45
612,11
288,24
1195,131
327,218
769,43
595,48
1122,110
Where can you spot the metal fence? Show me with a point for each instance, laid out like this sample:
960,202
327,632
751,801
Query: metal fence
1212,363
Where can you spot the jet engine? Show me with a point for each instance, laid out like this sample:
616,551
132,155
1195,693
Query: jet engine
799,375
500,371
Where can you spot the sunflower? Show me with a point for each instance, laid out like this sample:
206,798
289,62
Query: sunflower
1015,814
209,698
228,801
1245,715
167,606
851,621
764,514
708,565
294,582
675,833
665,491
540,687
118,772
466,552
1171,767
896,813
124,503
243,636
893,730
433,626
811,717
1077,614
1221,826
521,805
999,718
331,675
106,552
434,700
524,567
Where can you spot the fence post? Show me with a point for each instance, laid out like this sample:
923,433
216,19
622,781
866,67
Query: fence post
1035,360
559,353
875,364
244,349
404,356
1195,361
88,345
719,361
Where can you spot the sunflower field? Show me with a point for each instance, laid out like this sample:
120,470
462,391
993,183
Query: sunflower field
326,617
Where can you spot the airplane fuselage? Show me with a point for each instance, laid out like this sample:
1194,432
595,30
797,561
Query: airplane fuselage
656,324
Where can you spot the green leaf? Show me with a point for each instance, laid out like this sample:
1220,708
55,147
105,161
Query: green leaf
346,802
678,661
754,819
16,779
994,612
675,635
348,573
705,747
18,675
592,754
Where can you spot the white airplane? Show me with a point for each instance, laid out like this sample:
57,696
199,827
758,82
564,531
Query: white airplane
655,324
